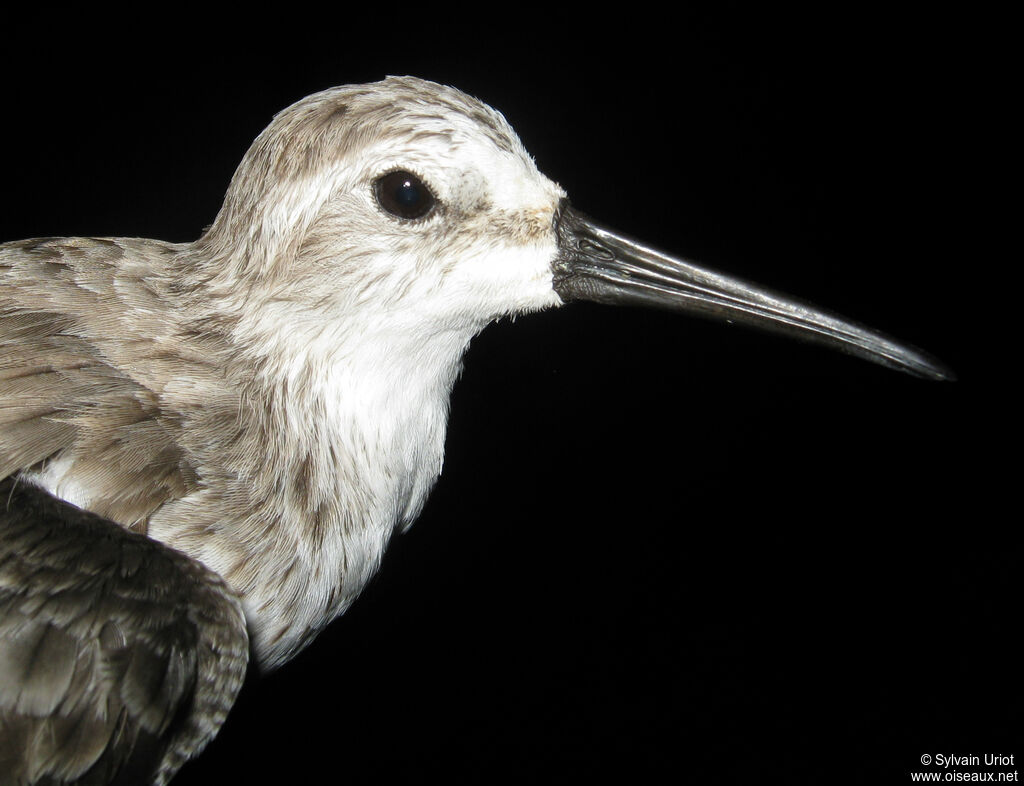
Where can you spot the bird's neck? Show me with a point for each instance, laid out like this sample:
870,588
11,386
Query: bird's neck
331,451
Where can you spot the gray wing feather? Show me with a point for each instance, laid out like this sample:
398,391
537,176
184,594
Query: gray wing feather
119,657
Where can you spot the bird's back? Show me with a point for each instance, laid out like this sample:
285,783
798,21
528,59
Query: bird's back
119,656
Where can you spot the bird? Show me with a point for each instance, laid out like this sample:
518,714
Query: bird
206,447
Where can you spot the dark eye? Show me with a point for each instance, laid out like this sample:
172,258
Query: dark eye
403,194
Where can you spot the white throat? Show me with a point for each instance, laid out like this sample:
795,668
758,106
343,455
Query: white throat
358,444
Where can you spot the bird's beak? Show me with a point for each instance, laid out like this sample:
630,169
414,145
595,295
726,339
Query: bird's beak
594,263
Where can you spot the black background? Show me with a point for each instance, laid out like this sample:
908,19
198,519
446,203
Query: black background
660,547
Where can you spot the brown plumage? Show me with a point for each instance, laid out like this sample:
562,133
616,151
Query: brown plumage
81,370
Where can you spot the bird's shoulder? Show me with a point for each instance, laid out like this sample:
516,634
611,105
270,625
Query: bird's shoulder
119,657
83,347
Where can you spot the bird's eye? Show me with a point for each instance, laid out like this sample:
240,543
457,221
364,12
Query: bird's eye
403,194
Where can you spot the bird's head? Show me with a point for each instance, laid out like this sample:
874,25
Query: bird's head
409,209
402,202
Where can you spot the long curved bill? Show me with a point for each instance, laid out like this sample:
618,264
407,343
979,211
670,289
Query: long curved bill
597,264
